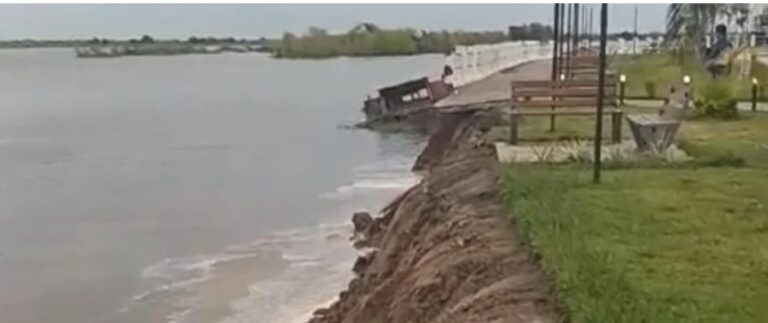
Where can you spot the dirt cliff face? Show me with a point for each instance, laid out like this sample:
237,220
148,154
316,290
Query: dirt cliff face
443,251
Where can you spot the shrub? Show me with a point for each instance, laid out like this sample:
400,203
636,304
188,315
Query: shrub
650,89
716,100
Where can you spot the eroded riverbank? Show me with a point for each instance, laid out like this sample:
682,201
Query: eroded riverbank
443,251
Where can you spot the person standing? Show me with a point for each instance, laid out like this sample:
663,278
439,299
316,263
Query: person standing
716,57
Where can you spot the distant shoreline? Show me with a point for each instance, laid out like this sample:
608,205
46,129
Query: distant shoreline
146,46
161,49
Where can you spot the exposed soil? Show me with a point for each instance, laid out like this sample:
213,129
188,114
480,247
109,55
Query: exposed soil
444,251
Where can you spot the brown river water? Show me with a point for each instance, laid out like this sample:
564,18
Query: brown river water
201,188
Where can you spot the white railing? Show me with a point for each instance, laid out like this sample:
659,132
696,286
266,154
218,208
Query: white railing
474,63
628,47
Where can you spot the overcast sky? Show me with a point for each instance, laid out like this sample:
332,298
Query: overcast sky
62,21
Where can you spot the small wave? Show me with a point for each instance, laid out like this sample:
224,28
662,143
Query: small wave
304,250
178,316
180,273
171,268
201,147
372,184
394,165
169,288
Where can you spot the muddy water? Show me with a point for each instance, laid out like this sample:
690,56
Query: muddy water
189,189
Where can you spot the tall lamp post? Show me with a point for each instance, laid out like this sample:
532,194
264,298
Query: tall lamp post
556,41
560,39
575,30
597,164
569,35
555,59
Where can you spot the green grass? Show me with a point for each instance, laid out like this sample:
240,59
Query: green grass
666,71
537,128
649,245
745,138
682,244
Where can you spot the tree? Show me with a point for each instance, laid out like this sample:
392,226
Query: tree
534,31
688,23
625,35
147,39
540,32
316,32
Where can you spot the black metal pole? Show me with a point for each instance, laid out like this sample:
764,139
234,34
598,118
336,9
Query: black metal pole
584,9
622,88
555,68
600,94
561,48
568,34
754,96
591,25
576,14
556,38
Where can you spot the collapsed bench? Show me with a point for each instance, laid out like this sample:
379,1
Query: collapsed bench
566,97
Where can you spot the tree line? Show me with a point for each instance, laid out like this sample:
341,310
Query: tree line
147,39
369,40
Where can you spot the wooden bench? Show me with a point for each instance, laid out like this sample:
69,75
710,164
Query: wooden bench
568,97
584,67
656,132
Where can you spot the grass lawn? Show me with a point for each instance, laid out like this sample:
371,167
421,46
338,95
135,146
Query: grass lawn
664,71
682,244
745,138
536,128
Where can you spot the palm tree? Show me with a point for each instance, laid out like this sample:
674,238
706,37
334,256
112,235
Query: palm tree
688,23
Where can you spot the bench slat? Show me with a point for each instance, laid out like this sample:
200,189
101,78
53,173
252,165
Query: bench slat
562,92
549,112
560,84
651,120
570,103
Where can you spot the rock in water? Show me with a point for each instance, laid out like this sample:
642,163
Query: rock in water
361,220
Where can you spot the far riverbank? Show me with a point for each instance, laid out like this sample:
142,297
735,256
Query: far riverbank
169,48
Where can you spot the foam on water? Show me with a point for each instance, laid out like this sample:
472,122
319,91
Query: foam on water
310,258
308,284
318,258
386,174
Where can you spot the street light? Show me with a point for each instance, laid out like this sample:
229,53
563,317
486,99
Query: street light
622,84
562,77
687,83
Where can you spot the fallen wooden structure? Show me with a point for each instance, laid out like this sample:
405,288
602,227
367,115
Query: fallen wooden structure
403,98
566,97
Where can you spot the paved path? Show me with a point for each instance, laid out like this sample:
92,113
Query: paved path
496,88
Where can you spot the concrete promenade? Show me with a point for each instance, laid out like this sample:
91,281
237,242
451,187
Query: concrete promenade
496,88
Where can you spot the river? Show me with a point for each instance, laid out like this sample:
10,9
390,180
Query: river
200,188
